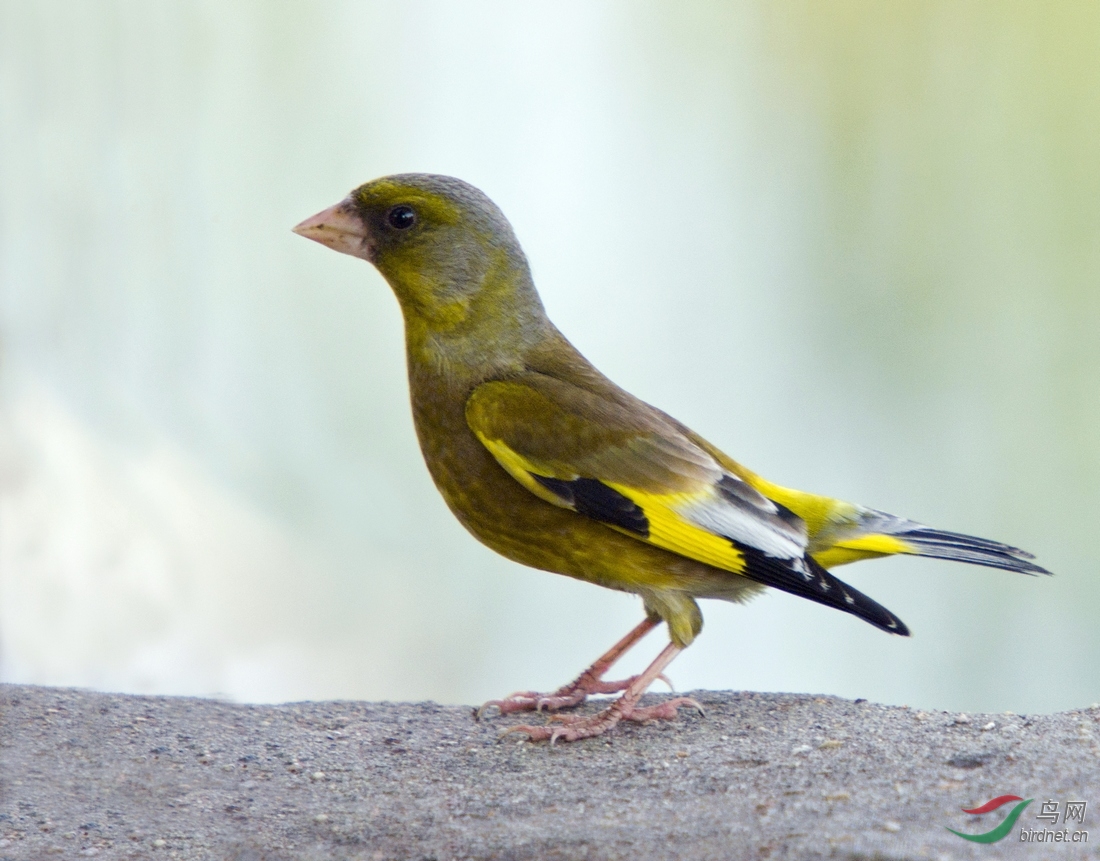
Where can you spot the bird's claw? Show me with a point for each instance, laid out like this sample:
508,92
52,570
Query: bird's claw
512,703
571,695
663,711
541,733
576,727
512,729
530,701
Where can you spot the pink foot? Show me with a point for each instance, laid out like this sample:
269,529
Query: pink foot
568,696
573,728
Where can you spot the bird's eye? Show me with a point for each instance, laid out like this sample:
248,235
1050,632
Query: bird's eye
401,217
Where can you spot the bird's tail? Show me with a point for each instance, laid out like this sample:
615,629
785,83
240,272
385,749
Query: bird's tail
869,533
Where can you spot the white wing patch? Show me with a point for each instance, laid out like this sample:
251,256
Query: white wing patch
747,525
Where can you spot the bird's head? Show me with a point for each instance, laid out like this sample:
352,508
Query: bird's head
445,248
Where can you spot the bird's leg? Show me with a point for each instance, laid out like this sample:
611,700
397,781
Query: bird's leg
574,727
588,682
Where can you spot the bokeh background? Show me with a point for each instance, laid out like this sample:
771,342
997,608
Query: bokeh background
855,244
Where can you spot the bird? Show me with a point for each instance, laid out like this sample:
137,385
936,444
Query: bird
548,462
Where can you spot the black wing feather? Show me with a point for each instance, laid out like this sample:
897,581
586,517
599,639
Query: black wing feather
819,585
596,500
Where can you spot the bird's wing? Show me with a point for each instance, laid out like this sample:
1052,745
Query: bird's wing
630,467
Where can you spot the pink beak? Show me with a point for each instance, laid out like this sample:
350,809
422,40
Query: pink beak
339,227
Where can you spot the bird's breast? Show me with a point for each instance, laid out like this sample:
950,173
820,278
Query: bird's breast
486,500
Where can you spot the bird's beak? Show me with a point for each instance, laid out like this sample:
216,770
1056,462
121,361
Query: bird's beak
339,227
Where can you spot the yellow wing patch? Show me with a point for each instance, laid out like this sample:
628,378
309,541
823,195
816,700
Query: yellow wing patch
669,531
521,469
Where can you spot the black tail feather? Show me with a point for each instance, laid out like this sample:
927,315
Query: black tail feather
938,544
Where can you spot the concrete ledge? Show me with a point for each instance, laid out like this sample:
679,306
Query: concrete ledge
87,774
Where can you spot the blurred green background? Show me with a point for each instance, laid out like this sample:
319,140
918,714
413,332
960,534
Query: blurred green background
855,244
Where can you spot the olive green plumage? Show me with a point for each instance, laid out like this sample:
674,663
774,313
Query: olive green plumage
549,463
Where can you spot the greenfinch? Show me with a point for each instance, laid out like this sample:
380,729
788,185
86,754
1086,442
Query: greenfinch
545,460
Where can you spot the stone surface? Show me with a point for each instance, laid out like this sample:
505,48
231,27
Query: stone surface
86,774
